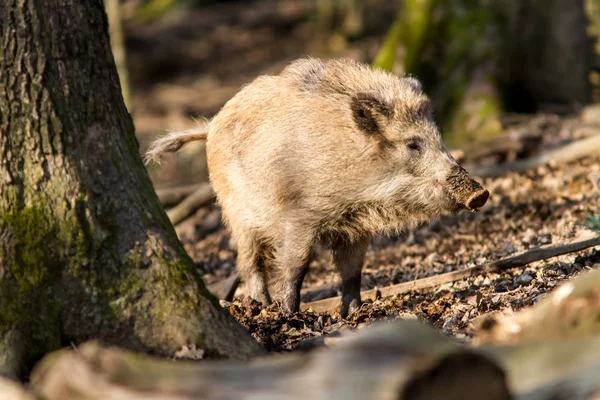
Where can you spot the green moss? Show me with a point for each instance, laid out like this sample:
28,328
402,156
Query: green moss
30,234
31,265
417,30
411,31
129,285
153,9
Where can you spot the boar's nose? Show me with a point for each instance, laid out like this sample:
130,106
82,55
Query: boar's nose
465,190
477,199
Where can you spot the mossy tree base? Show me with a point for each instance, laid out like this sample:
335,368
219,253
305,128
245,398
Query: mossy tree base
86,250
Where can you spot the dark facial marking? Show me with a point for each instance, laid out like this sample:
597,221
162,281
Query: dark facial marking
418,111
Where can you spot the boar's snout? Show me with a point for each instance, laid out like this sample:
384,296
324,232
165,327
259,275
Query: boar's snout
477,199
466,191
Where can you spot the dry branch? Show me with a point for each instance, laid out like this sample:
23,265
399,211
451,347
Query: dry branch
524,258
190,204
570,152
172,196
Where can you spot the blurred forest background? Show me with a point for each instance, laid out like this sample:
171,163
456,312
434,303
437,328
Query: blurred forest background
484,63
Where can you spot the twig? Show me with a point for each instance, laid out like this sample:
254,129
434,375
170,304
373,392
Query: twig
172,196
572,151
521,259
190,204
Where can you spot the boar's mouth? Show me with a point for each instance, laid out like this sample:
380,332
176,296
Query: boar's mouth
467,192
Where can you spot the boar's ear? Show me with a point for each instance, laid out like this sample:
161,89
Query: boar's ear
370,111
414,83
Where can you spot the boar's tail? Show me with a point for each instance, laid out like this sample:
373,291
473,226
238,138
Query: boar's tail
173,142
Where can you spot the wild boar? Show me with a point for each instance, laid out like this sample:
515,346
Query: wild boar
326,151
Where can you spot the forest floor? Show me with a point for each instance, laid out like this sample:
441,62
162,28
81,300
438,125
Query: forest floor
189,65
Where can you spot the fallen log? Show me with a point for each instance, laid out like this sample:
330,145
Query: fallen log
571,310
519,260
566,368
172,196
552,347
190,204
402,360
572,151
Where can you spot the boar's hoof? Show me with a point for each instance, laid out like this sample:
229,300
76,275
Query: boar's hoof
477,199
349,307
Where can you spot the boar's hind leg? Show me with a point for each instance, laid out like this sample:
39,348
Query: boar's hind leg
293,258
252,268
348,257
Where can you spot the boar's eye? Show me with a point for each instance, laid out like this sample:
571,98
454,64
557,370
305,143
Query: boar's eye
414,145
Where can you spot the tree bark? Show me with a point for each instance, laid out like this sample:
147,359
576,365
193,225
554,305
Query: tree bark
86,250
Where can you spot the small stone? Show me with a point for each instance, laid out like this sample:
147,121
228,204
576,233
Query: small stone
225,255
524,279
211,222
224,303
451,322
189,353
472,300
529,236
317,326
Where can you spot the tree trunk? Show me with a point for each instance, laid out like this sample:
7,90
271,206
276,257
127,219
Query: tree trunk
86,250
548,54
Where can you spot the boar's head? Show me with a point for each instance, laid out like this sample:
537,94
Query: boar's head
410,164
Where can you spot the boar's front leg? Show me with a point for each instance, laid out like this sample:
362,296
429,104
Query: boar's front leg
293,258
349,257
